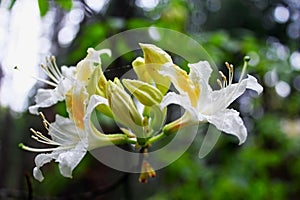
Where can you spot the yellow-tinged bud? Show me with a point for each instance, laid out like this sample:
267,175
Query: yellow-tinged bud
139,68
123,107
147,68
154,54
145,93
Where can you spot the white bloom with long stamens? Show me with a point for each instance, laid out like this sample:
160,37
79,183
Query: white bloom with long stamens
204,104
70,146
63,81
60,80
70,141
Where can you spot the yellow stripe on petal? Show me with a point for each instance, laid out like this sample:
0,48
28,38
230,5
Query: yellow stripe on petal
75,102
187,85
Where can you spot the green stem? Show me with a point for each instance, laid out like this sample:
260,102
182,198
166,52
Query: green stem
157,138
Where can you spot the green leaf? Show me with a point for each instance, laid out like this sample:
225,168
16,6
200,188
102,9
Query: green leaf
43,6
65,4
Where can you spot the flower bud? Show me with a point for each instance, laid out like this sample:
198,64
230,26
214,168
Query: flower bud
147,68
145,93
139,68
123,108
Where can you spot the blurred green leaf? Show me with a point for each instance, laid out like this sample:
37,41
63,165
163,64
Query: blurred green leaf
43,6
65,4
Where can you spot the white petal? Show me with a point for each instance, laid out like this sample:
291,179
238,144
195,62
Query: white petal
37,174
94,56
170,71
221,99
95,137
45,98
224,97
182,100
95,100
200,71
40,160
69,159
253,84
63,87
64,131
68,72
230,122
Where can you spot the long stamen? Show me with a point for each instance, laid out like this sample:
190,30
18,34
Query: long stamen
52,68
41,150
230,69
47,125
38,136
246,60
36,78
48,72
53,59
24,147
224,79
219,83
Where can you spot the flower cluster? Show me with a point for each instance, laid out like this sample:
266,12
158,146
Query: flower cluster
139,106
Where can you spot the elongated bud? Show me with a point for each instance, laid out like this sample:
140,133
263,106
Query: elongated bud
123,108
145,93
139,68
154,54
147,68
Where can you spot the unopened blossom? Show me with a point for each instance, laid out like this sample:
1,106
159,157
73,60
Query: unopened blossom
147,68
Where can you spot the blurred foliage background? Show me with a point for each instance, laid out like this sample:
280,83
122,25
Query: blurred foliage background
267,166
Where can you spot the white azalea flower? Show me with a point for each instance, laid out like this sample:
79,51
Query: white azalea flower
204,104
72,142
71,145
60,80
65,80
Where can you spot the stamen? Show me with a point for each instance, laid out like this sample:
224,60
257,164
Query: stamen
38,136
36,78
47,125
48,73
224,79
52,67
41,150
53,59
220,83
231,72
24,147
44,142
246,60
